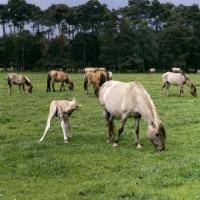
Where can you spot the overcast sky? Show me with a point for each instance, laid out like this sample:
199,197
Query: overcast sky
44,4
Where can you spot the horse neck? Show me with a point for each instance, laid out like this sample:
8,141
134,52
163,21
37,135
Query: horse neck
188,82
68,80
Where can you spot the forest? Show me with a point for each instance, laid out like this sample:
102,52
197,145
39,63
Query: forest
144,34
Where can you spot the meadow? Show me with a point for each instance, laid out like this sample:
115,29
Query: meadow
86,167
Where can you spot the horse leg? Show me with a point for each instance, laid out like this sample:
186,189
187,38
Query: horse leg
19,88
52,113
181,91
23,88
137,143
167,89
53,83
61,86
9,89
120,130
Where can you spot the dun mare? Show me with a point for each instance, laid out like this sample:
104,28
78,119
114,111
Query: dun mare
61,109
177,79
20,80
130,100
58,76
151,71
176,70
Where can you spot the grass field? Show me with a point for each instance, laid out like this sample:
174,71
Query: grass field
87,167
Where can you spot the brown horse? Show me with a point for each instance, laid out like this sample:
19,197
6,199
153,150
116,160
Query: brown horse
19,79
88,79
99,78
58,76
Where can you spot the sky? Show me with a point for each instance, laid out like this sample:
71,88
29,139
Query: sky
44,4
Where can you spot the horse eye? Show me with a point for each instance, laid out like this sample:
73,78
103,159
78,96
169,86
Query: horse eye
157,135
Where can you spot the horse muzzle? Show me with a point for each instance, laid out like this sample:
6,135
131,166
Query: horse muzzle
160,148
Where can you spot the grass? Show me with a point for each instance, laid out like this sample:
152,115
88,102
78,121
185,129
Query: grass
87,167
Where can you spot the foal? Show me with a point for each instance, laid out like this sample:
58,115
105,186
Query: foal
61,109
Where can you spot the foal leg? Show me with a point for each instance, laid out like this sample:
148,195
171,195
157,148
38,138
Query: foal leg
9,89
50,117
137,143
65,127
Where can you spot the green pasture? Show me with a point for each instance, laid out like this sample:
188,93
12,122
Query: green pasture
86,167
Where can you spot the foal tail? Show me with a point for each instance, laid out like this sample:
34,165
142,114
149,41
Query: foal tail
102,79
85,82
48,82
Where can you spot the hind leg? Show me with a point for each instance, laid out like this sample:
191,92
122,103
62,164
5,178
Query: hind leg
52,113
163,85
167,89
53,83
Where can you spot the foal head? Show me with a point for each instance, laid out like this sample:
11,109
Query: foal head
72,105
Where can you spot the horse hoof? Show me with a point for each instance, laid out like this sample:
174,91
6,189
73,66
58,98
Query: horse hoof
66,141
115,145
139,146
108,141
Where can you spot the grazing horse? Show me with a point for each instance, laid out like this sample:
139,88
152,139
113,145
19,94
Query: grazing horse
20,80
61,109
177,79
88,79
151,71
130,100
99,78
58,76
198,72
192,70
176,70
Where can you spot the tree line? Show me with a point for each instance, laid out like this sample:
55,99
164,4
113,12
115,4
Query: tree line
144,34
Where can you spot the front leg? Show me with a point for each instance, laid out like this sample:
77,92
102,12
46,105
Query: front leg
137,143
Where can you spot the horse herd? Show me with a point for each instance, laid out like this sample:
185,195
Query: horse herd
117,99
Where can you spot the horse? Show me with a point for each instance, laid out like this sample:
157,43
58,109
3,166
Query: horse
151,71
99,78
177,79
88,79
176,70
192,70
20,80
130,100
63,110
58,76
109,75
198,72
92,69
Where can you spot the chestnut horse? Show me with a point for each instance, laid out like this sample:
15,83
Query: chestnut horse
20,80
99,78
177,79
130,100
58,76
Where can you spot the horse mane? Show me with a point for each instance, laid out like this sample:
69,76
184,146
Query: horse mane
148,99
27,81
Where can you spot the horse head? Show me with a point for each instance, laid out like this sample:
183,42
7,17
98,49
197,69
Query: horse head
157,136
71,107
30,88
71,86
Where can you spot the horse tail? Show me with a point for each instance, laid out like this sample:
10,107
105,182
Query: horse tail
102,79
48,82
8,80
85,82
